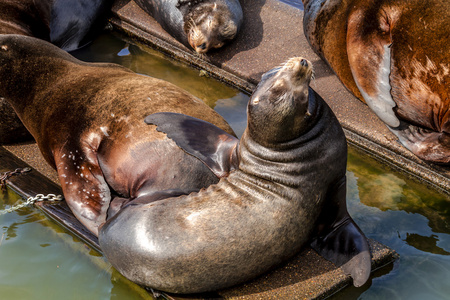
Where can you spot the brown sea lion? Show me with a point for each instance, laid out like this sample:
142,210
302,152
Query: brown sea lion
393,55
201,24
88,121
68,24
289,190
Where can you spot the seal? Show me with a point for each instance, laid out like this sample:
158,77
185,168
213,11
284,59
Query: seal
289,190
201,24
70,24
390,55
88,121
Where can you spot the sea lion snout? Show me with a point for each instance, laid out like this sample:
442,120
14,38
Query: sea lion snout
301,68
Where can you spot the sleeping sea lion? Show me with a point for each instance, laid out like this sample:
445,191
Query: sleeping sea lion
201,24
289,190
392,55
88,121
69,24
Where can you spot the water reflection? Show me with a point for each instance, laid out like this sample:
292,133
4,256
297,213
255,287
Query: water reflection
408,217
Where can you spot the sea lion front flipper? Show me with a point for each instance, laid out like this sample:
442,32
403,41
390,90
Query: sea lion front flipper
369,55
216,148
340,240
428,145
84,187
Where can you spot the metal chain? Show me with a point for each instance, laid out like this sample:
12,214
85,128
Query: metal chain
31,200
8,174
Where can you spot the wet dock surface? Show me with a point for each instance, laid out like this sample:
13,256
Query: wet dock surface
272,33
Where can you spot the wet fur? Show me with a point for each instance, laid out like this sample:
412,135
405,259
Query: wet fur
292,164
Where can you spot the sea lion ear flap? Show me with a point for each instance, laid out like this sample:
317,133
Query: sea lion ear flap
213,146
340,240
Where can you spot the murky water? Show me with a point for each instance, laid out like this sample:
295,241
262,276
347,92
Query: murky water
40,260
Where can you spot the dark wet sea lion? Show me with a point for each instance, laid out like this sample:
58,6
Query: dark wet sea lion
68,24
201,24
289,190
393,55
88,121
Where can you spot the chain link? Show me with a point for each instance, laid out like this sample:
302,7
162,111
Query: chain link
6,175
38,198
32,200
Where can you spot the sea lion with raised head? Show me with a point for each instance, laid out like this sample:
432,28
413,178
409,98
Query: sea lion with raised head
392,55
201,24
69,24
289,190
88,121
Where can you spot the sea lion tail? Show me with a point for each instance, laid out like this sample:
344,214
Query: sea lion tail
340,240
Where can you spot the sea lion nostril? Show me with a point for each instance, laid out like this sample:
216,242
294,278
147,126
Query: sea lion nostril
304,62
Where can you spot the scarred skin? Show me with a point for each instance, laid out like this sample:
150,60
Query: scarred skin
88,121
68,24
288,190
201,24
393,56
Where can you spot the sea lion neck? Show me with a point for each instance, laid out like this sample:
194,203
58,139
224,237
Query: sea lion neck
286,162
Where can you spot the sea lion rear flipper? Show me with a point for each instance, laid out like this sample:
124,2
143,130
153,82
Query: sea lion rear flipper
213,146
340,240
428,145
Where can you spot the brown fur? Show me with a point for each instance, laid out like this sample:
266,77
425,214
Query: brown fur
355,36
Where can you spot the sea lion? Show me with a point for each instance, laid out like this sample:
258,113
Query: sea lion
201,24
88,121
69,24
392,55
289,189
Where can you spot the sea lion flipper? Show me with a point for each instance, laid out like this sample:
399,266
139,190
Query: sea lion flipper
340,240
85,189
370,64
428,145
213,146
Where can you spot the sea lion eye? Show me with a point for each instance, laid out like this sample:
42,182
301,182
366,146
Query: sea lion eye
202,46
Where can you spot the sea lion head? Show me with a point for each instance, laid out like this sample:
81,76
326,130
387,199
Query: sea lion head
209,25
278,109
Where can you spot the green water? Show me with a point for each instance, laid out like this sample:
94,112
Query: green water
40,260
